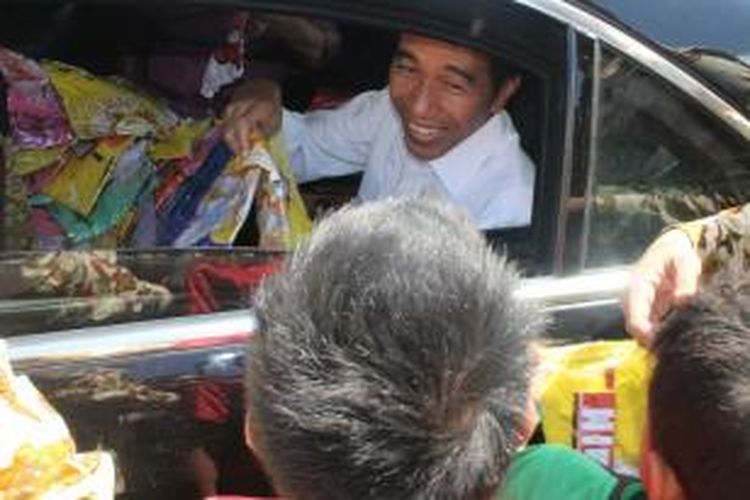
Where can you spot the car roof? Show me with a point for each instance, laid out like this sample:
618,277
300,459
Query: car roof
707,24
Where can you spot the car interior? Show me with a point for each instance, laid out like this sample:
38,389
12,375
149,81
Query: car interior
139,43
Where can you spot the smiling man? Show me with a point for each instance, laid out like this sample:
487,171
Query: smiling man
439,128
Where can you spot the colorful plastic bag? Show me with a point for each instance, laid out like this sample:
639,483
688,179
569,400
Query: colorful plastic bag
36,117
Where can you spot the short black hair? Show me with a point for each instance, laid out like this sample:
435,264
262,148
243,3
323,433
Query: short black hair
392,359
699,398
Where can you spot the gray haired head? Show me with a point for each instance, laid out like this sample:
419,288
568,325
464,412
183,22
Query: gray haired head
392,359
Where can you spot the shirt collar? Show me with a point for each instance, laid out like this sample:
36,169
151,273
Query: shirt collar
458,169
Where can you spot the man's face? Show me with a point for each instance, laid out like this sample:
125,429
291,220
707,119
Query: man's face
442,92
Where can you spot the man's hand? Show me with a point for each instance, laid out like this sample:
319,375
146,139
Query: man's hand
254,109
667,274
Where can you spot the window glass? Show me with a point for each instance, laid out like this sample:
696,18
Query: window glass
661,158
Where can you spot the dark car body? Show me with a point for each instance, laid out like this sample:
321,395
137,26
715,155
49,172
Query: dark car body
627,135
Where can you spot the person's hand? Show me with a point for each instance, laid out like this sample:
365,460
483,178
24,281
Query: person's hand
666,275
254,109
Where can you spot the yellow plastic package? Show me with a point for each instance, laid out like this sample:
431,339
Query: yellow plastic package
98,107
82,179
299,220
592,396
38,459
178,143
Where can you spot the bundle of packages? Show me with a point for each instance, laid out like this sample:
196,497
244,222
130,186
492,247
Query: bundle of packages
38,458
96,163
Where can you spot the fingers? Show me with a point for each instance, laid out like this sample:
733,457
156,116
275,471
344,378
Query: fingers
687,272
238,138
666,275
637,307
247,120
255,110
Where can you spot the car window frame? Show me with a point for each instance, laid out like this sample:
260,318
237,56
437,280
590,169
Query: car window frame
594,26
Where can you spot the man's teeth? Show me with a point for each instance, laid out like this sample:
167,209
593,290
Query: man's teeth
422,131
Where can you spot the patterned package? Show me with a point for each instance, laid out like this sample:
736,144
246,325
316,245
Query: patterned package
179,142
132,174
36,116
81,181
99,107
282,218
223,210
38,457
592,396
29,161
179,211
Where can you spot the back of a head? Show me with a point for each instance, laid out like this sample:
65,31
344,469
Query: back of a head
392,359
699,400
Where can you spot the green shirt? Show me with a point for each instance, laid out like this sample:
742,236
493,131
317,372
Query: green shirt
557,472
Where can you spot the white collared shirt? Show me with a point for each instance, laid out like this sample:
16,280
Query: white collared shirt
488,174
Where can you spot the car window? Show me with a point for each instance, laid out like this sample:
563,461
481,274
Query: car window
124,206
661,158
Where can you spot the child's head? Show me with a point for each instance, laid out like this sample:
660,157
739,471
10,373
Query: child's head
699,399
392,359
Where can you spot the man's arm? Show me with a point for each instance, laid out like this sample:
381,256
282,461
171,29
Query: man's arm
669,271
324,143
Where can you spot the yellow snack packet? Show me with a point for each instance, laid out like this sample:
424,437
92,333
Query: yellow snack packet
592,396
98,107
81,181
179,142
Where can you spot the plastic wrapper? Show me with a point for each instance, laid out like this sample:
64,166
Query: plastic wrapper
80,182
49,234
100,107
223,210
178,213
133,173
25,162
38,458
179,142
282,201
256,177
592,396
36,117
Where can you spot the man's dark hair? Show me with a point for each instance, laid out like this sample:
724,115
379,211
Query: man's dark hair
501,70
392,359
699,399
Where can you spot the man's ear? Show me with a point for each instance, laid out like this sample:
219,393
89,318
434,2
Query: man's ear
507,90
249,433
659,480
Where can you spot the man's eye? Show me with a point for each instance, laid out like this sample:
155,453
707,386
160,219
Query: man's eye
455,87
404,68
